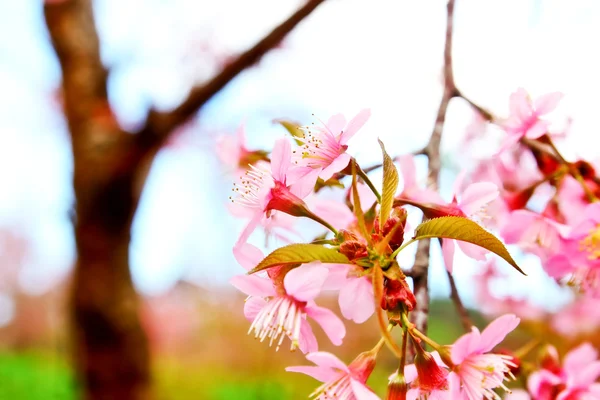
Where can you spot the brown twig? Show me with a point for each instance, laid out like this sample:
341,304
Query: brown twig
160,125
420,267
465,319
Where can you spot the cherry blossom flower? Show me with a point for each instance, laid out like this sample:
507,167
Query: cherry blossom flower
356,297
232,151
581,317
533,232
324,147
575,380
478,370
264,189
278,307
411,189
525,116
340,382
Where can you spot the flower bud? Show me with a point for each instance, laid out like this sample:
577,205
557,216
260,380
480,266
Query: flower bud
363,365
430,375
397,388
353,249
396,295
548,359
398,217
285,201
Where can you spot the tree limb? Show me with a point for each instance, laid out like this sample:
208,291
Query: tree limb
420,267
159,125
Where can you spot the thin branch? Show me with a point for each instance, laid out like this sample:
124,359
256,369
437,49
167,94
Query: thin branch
432,150
465,319
160,125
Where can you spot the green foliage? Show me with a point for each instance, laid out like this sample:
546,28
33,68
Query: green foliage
464,229
358,212
390,185
300,253
31,376
262,390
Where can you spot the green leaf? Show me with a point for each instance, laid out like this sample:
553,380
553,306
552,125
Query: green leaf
460,228
390,185
293,128
300,253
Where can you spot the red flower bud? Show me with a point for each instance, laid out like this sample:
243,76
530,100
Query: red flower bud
396,295
397,388
353,249
398,217
285,201
430,375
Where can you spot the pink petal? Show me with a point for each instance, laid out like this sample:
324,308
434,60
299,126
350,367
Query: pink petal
448,254
477,195
247,255
509,141
472,250
408,170
539,379
578,358
520,104
253,285
361,392
327,360
458,183
305,282
254,222
252,307
354,125
336,278
592,212
336,165
318,373
465,345
558,266
307,340
539,128
496,331
357,301
410,373
336,124
332,325
281,158
585,377
515,224
306,184
547,103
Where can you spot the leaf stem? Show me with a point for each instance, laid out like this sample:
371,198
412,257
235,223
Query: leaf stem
365,178
399,249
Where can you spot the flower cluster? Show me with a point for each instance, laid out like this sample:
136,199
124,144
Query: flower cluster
365,229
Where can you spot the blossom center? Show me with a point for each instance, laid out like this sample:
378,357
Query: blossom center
591,244
250,188
340,388
282,316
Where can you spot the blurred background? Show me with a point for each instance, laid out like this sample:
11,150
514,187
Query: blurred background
347,55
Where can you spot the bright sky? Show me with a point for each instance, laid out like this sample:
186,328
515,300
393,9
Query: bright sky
350,54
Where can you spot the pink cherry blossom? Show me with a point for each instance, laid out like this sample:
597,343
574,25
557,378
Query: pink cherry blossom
340,382
478,370
356,297
576,380
582,317
411,189
533,232
324,147
279,309
264,189
232,149
525,116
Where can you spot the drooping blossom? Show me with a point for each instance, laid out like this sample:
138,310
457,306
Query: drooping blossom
340,382
525,118
324,147
479,371
280,303
575,380
429,379
579,254
533,232
264,189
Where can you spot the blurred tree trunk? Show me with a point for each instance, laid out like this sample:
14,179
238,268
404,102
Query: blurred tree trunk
110,166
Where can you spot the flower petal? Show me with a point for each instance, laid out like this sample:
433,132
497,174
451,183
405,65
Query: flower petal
547,103
281,157
357,301
252,307
520,104
253,285
579,358
332,325
515,224
247,255
320,374
408,170
476,195
538,129
335,124
327,360
496,331
303,186
465,345
336,165
354,125
307,340
448,254
361,392
337,276
472,250
305,282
